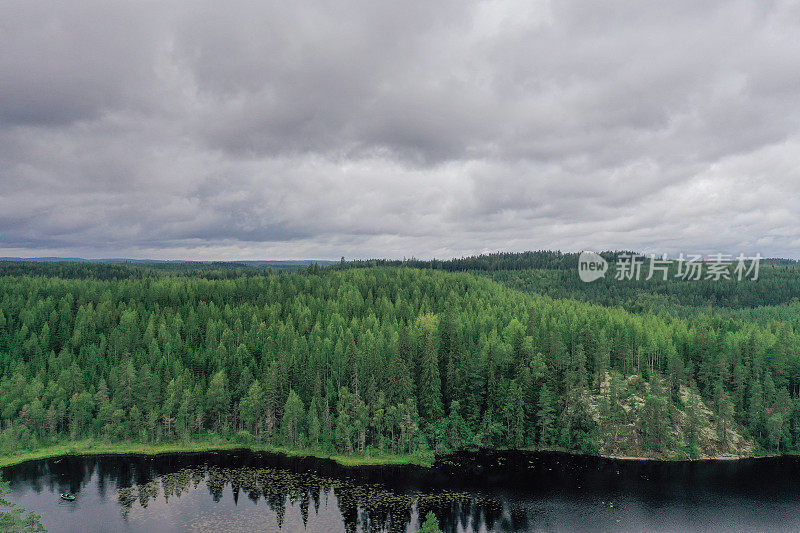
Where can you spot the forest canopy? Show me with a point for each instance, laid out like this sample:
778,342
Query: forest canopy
397,360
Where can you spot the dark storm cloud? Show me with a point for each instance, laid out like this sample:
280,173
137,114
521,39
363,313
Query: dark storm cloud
320,129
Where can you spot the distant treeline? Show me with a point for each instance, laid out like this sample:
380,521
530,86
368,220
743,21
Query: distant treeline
142,270
542,259
539,260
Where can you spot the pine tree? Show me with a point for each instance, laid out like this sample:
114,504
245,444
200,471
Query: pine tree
313,423
516,416
18,520
378,421
655,413
293,416
252,408
399,384
430,386
756,414
774,429
81,412
345,427
430,525
692,431
547,417
458,433
218,399
361,421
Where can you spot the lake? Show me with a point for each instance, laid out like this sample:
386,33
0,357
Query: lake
514,491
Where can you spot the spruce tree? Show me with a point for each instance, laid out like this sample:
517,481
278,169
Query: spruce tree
547,417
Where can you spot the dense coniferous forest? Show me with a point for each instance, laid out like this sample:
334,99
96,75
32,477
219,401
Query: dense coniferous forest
554,274
776,285
368,358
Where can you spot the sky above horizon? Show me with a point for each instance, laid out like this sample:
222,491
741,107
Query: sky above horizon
283,130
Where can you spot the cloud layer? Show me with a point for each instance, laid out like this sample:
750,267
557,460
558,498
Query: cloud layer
255,130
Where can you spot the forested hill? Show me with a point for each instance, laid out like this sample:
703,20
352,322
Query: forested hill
555,274
379,360
777,285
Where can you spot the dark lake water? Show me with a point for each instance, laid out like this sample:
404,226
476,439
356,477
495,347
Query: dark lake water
243,491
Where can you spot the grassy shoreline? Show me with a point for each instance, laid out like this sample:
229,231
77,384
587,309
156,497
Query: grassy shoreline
89,447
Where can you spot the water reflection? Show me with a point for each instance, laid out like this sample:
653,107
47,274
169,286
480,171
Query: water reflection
356,499
245,491
363,506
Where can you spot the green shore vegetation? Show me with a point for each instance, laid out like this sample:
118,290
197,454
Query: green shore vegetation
89,447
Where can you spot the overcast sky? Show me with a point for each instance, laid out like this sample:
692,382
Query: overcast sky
269,130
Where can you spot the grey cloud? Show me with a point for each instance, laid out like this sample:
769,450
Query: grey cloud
65,62
266,129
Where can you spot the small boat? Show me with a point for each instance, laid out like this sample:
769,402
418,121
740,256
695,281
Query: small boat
67,496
